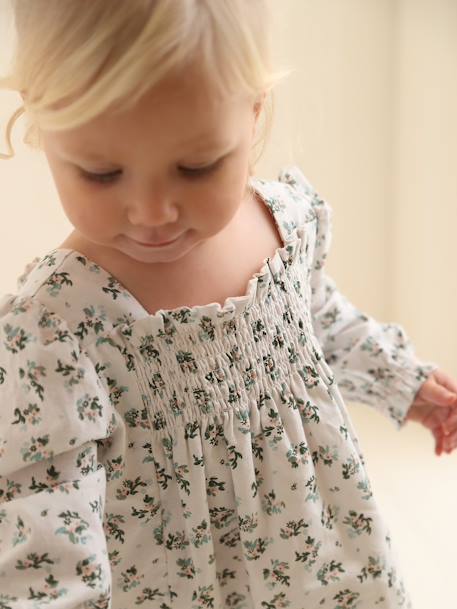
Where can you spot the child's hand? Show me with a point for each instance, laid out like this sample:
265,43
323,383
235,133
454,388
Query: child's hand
435,406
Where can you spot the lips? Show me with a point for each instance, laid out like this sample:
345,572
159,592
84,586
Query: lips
157,243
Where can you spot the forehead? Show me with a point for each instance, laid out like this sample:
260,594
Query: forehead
184,112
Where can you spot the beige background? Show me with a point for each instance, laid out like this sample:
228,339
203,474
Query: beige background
370,117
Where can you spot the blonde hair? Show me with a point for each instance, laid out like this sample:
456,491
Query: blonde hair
75,59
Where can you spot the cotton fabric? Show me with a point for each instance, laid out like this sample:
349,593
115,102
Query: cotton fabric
200,457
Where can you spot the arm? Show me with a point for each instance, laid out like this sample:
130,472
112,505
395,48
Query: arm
372,362
52,487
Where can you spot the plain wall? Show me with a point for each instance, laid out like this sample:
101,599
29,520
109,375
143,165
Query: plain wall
369,116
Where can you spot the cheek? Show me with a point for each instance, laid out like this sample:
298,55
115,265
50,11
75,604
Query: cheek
71,198
87,211
232,180
87,208
217,208
224,194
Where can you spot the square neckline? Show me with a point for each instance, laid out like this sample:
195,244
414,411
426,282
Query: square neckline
260,188
278,195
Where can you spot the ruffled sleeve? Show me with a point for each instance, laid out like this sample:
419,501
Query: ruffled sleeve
372,362
53,412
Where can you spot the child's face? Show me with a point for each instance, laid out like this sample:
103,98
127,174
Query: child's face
153,151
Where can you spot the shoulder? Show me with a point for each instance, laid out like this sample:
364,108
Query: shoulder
298,206
72,287
49,293
24,321
317,211
51,394
37,344
303,192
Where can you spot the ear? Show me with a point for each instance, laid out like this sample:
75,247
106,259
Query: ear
257,108
258,105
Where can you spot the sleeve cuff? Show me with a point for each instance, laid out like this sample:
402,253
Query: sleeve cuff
392,399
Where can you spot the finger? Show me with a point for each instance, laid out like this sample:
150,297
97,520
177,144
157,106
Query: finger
450,424
439,444
446,447
440,440
450,442
438,394
446,381
445,444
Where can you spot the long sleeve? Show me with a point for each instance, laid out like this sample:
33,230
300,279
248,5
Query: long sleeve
372,362
53,410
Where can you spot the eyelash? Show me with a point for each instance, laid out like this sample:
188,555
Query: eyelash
191,173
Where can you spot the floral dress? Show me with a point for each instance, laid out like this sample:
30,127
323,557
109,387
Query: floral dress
202,457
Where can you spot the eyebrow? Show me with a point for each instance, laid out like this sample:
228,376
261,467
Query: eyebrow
75,157
83,154
205,147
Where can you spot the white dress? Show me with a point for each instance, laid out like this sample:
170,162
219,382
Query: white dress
197,458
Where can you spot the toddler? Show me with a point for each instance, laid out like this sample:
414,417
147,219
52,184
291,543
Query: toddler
173,433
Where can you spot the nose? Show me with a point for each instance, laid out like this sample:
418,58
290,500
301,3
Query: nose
152,206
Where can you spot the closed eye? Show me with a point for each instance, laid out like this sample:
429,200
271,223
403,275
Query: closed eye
192,172
103,178
189,172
